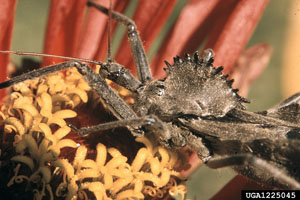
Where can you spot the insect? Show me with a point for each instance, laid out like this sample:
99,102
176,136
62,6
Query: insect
195,106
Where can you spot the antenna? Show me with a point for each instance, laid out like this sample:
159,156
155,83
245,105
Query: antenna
50,55
109,54
109,58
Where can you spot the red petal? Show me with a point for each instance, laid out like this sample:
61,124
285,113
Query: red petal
194,163
63,29
227,24
102,48
149,17
249,66
229,43
192,16
93,43
94,29
211,27
7,15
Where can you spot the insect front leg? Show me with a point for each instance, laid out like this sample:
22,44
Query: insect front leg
120,75
115,104
263,167
138,52
36,73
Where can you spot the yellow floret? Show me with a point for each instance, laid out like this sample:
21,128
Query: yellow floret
35,106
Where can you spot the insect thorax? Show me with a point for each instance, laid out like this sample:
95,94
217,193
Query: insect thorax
192,87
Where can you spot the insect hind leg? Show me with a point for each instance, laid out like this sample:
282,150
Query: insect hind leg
259,164
294,99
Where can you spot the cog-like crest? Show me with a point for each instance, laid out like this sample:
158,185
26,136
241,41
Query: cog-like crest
199,88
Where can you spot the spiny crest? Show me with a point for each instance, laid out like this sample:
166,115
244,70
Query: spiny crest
197,79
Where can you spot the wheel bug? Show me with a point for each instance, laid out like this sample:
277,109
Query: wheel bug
196,106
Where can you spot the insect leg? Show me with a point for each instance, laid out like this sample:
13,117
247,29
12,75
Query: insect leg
152,123
115,104
197,145
36,74
138,52
120,75
288,110
294,99
84,131
258,163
